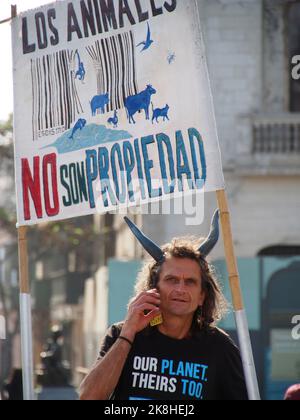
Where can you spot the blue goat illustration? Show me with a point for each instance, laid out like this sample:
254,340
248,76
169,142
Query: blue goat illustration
139,102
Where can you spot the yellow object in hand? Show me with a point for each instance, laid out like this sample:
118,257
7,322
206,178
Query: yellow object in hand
157,320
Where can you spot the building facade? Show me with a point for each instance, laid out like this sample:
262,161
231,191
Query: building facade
249,47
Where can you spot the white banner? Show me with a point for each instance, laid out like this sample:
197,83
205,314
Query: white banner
113,107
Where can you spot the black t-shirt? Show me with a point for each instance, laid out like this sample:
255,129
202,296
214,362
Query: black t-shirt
206,366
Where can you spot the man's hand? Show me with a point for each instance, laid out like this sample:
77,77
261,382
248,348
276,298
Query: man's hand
136,320
103,378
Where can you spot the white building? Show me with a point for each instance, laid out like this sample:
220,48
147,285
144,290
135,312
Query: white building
249,44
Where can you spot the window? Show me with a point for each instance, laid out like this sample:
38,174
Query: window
280,251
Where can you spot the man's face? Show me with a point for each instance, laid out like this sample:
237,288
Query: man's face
180,287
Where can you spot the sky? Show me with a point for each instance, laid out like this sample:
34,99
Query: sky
6,84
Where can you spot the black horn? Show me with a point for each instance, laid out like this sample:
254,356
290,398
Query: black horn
154,250
210,242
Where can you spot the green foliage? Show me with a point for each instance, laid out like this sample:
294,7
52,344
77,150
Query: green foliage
74,235
7,207
6,143
6,127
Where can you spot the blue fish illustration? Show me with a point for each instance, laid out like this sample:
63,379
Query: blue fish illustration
148,42
78,126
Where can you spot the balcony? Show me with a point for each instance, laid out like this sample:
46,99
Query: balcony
277,135
274,146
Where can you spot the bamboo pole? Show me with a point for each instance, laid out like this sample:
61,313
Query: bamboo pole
232,266
25,303
237,299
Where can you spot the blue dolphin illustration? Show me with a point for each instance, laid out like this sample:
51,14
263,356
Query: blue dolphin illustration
78,126
148,42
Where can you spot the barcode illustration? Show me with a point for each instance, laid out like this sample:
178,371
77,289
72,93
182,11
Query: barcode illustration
55,99
115,65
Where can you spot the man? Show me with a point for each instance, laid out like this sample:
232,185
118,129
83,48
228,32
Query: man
293,393
185,356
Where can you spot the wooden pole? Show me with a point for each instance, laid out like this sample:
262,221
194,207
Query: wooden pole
14,12
234,278
237,299
25,303
5,21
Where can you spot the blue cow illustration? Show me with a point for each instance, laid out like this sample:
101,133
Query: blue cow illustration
138,102
99,102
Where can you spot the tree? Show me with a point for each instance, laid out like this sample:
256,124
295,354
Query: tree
7,197
6,127
75,236
8,226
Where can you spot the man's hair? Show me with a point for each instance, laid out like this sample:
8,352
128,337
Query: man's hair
215,305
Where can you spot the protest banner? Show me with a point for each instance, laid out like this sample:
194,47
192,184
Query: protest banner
113,108
109,99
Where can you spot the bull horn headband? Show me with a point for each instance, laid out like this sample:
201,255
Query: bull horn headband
157,253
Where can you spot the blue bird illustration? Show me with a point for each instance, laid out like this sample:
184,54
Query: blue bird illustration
148,42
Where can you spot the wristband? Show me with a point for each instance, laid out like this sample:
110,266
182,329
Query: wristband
125,339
